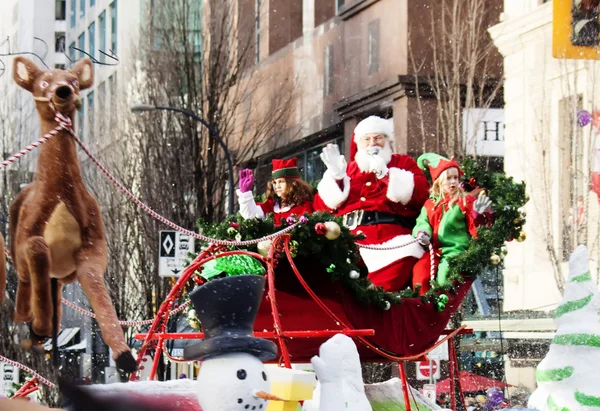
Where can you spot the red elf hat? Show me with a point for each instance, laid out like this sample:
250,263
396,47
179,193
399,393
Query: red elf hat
285,168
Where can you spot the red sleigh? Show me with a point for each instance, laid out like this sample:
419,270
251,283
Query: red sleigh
302,308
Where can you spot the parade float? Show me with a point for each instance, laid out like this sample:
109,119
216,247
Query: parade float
316,286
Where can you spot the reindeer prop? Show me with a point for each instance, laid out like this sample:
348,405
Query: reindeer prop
56,229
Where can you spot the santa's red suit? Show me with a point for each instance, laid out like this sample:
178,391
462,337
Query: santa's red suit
384,209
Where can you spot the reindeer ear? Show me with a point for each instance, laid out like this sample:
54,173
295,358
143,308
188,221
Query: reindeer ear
24,72
84,70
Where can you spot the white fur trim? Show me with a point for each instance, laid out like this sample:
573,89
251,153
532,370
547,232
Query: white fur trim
330,191
401,185
377,259
248,207
374,125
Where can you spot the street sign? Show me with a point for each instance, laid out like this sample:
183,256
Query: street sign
9,375
174,249
440,352
429,392
425,370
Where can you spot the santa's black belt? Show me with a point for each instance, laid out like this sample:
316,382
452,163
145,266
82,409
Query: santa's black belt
360,217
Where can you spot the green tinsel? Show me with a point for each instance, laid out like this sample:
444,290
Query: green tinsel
232,265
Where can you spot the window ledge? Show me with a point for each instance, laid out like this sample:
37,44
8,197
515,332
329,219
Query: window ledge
355,7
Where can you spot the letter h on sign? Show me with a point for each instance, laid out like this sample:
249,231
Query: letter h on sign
494,131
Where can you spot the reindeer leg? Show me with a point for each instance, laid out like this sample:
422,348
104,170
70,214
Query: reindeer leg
90,273
23,312
38,257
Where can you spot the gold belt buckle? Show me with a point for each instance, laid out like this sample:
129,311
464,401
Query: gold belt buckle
353,219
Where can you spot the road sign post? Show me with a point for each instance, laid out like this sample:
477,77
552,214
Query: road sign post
174,250
428,370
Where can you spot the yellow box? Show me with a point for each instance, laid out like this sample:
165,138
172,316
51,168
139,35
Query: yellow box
292,385
283,406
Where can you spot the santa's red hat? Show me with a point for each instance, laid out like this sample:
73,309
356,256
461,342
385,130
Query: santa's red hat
285,168
371,125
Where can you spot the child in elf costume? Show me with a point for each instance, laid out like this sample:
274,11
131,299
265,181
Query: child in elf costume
448,219
287,193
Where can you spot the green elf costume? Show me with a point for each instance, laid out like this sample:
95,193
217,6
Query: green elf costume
448,226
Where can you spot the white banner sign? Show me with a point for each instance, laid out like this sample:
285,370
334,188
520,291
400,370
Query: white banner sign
174,249
483,131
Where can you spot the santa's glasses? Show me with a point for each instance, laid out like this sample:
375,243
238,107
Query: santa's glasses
378,138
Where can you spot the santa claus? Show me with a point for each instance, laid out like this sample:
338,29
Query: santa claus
379,194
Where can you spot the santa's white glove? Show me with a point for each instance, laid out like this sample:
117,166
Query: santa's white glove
334,161
378,166
482,203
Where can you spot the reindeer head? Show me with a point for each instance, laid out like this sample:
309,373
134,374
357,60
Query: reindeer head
59,87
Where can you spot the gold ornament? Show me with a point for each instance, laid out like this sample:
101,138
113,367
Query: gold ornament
495,259
527,198
264,247
333,230
517,221
522,236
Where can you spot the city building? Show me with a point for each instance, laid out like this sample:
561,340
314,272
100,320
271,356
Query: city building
546,148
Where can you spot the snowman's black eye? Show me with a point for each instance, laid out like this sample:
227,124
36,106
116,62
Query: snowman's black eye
264,376
241,374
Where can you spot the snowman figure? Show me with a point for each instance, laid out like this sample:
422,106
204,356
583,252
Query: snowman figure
232,375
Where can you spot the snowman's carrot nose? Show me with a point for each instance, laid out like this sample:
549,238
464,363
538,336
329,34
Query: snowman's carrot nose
266,396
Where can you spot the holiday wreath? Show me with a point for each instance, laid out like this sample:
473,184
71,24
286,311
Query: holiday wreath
316,238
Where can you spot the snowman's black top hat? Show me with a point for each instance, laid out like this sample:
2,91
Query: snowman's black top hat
227,308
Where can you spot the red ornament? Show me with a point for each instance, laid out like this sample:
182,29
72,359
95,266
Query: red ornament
234,224
320,228
198,280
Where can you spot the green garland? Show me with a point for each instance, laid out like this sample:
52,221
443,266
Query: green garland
341,256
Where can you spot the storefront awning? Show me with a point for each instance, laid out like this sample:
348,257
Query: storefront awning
64,338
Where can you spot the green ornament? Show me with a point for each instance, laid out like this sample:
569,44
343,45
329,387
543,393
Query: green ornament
330,269
441,302
294,248
231,231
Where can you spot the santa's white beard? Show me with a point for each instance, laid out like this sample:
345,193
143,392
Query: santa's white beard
363,161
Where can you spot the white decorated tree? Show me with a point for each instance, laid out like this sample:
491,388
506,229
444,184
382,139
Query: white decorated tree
568,377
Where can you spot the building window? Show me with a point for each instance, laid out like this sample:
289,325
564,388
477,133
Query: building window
80,120
59,42
309,161
81,9
61,9
373,46
113,26
101,100
328,70
257,32
92,36
92,3
102,34
73,13
112,89
72,52
81,44
90,109
338,5
60,66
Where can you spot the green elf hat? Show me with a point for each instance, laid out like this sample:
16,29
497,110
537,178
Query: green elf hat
285,168
437,164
